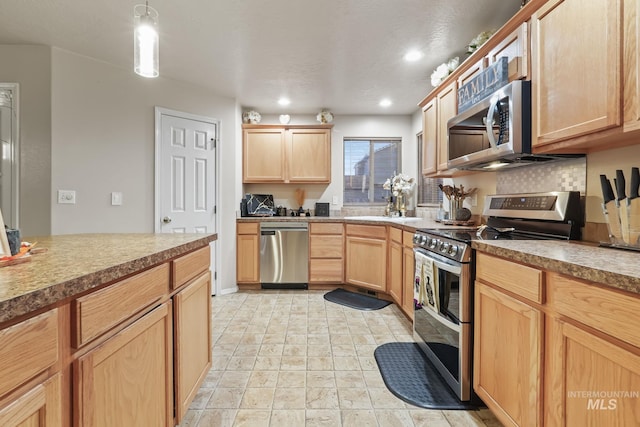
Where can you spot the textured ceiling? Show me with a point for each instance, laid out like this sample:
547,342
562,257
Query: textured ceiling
344,55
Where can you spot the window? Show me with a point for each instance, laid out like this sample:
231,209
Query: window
368,162
428,191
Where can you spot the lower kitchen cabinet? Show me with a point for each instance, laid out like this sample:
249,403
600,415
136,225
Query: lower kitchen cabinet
38,407
192,346
553,350
593,362
366,256
508,356
408,268
395,265
248,253
326,252
128,379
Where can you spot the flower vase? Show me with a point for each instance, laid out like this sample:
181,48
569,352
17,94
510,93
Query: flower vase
400,205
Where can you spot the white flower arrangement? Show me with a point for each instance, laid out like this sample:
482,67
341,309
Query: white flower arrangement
325,116
478,41
398,184
443,70
252,117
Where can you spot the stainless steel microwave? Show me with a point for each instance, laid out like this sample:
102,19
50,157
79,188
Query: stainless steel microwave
494,132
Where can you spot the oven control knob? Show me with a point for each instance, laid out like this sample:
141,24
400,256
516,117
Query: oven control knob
433,243
423,240
453,250
444,247
416,238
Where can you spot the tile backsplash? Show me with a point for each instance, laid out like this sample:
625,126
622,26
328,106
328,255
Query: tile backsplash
564,175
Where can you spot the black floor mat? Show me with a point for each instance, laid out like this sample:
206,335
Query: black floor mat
354,300
410,376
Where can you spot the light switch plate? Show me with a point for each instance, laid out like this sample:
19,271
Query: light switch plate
334,200
116,198
67,197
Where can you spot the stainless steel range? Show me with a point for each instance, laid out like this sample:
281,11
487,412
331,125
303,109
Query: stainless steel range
445,272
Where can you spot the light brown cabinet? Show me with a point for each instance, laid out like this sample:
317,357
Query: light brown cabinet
576,69
408,269
326,252
192,346
435,115
38,407
395,265
366,256
508,356
447,109
430,138
291,154
128,379
248,253
554,350
30,350
591,349
515,47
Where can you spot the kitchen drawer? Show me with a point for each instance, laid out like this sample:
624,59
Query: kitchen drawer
326,246
325,228
27,349
100,311
517,278
614,313
325,270
371,231
248,227
395,234
407,239
190,266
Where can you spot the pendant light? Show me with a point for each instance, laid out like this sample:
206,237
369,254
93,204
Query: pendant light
145,41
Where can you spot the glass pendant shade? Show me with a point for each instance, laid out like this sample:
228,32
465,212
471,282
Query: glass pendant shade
145,41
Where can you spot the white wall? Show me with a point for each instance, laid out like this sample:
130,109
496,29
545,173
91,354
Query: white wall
30,66
375,126
103,141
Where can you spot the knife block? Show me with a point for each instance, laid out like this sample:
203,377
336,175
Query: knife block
614,228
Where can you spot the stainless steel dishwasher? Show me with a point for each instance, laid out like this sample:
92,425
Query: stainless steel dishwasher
284,255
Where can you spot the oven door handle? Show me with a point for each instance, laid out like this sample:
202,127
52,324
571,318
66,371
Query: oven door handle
454,269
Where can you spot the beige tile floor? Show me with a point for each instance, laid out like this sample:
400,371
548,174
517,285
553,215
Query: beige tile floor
290,358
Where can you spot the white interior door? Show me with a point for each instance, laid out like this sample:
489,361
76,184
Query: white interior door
186,175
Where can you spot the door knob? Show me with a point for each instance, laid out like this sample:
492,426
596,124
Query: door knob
166,220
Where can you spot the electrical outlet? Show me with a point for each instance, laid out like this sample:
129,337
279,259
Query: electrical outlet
67,197
474,199
116,198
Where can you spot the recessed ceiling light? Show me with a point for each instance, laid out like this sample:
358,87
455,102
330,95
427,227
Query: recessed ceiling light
413,55
284,101
385,102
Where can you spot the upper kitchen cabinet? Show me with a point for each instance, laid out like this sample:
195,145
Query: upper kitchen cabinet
287,154
435,115
576,69
516,48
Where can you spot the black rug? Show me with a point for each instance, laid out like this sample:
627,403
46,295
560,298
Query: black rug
410,376
354,300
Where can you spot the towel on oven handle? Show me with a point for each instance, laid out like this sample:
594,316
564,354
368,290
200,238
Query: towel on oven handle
428,286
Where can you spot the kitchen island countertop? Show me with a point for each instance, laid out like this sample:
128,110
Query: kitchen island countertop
76,263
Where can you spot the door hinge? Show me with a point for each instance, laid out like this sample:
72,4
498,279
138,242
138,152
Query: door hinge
214,143
215,275
215,209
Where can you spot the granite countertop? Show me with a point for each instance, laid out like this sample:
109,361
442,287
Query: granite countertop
406,223
615,268
76,263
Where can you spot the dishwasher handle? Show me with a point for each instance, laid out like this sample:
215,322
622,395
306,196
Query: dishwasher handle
268,232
